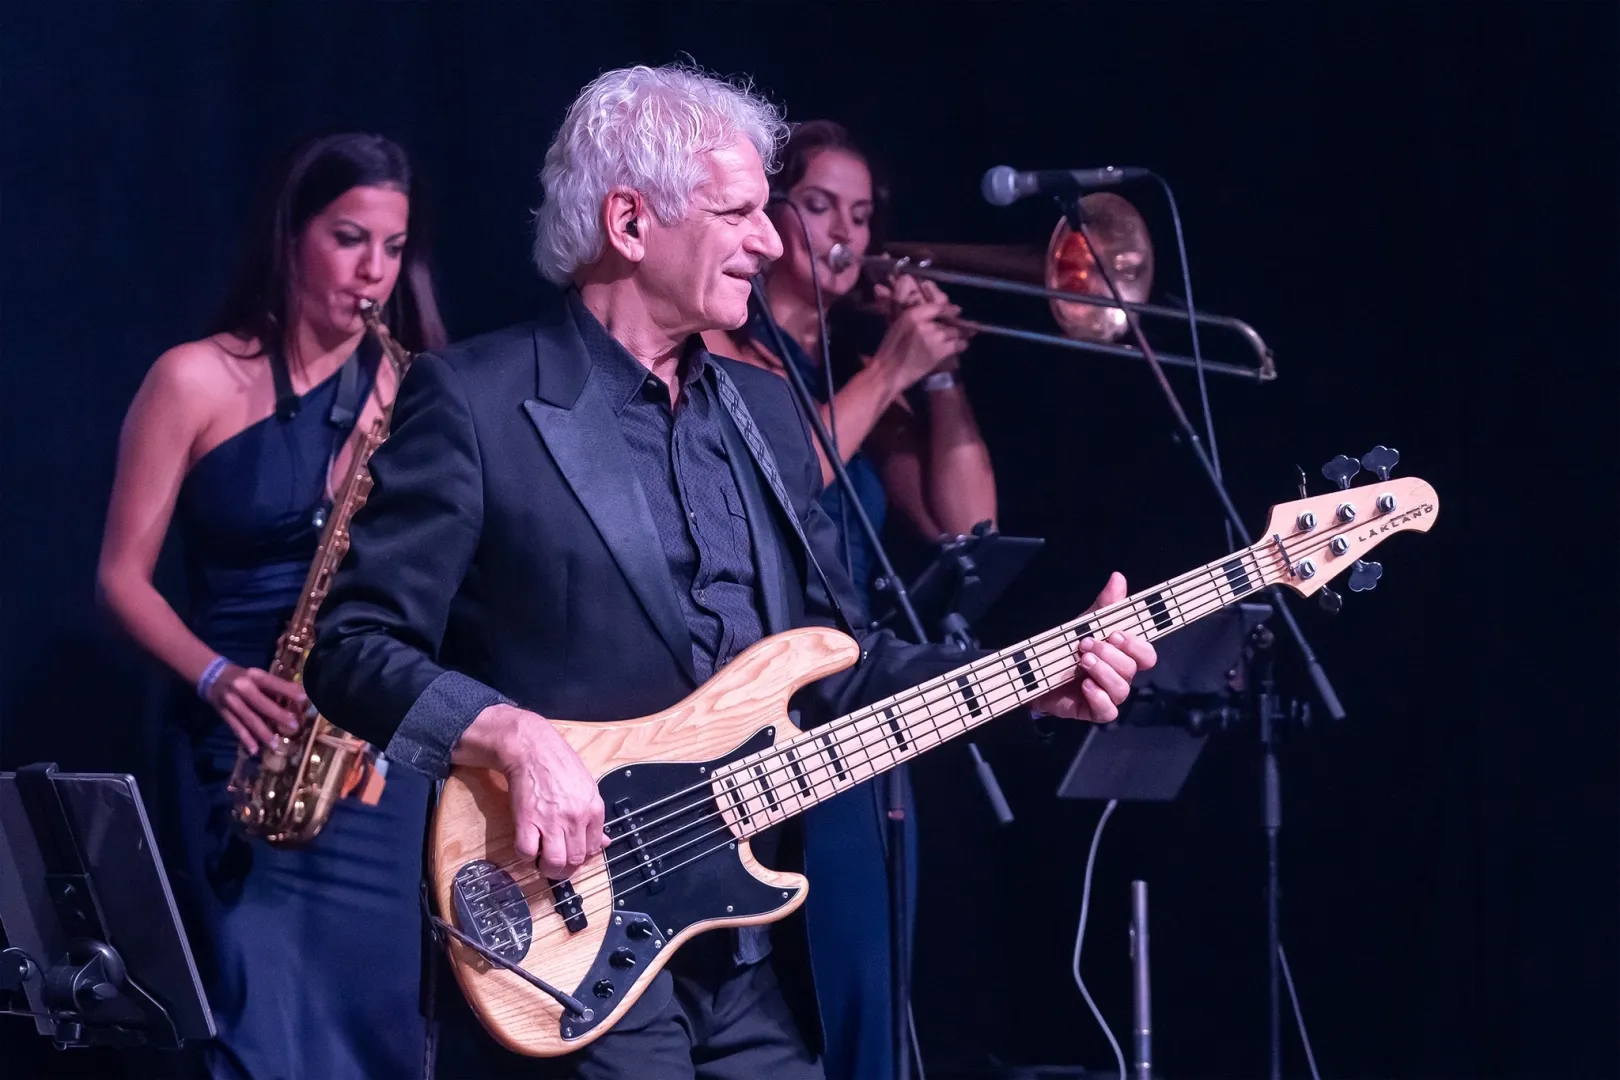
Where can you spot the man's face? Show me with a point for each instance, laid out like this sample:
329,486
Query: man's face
696,271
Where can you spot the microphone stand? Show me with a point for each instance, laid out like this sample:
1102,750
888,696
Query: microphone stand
1270,718
895,779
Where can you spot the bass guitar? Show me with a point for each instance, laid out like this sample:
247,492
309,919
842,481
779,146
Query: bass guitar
550,966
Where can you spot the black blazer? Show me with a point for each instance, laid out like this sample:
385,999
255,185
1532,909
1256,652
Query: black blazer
507,552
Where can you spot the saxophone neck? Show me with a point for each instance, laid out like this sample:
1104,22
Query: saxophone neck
371,312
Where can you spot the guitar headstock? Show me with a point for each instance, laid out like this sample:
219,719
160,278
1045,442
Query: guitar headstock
1311,541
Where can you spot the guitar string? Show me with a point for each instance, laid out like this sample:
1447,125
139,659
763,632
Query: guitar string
1125,611
996,699
790,757
1209,570
843,725
707,793
686,844
1104,612
1307,545
1126,615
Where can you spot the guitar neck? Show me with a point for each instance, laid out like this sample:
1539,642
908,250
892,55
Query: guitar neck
761,790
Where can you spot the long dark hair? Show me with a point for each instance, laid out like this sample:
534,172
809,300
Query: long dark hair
317,172
854,327
810,138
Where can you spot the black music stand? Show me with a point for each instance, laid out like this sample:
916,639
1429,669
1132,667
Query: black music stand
97,954
1146,755
964,581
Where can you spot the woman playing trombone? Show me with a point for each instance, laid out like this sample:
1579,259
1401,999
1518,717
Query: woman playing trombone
909,441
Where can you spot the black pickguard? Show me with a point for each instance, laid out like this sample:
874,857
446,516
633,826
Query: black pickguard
679,867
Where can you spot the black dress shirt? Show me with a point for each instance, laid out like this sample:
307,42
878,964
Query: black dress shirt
680,458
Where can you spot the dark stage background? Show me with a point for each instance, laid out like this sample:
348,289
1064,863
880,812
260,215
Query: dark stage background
1414,204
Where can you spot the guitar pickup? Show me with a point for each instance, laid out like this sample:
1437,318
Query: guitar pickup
630,828
569,906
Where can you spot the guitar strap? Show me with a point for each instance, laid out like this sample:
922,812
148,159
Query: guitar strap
761,452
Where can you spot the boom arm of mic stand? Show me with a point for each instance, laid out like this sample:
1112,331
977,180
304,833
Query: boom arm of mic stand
1077,222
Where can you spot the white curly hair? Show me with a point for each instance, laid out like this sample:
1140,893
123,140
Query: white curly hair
641,128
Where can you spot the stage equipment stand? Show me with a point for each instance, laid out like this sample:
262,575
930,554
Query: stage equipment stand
1196,689
98,956
1141,986
896,779
1075,212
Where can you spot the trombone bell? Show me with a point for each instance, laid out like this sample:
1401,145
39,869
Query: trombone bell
1121,237
1067,278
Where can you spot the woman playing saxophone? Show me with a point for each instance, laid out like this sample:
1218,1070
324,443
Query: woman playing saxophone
310,956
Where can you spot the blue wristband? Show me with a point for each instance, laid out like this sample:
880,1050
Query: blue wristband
205,681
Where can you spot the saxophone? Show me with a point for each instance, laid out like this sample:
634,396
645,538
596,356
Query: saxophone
286,792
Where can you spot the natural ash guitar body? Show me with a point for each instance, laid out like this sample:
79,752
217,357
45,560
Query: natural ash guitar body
740,711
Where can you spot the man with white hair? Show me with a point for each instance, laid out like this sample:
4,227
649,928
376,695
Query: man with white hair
586,516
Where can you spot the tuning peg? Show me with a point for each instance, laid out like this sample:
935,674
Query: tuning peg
1331,601
1364,575
1341,470
1381,460
1302,492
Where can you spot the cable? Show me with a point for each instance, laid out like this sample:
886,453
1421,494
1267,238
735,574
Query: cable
1192,325
1299,1017
844,498
916,1047
1080,937
831,386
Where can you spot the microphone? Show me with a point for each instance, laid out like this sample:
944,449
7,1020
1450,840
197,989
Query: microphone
1004,185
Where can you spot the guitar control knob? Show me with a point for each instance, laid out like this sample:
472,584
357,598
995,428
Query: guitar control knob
603,988
622,958
640,929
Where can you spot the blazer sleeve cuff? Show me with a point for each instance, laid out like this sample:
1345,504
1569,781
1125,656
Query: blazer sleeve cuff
433,726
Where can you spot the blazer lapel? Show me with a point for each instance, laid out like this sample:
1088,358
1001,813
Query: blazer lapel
583,436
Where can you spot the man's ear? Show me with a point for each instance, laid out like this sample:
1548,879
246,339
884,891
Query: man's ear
624,222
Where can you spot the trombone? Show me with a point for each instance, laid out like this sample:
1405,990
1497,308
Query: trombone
1091,319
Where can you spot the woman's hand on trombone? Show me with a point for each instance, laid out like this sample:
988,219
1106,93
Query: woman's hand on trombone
922,338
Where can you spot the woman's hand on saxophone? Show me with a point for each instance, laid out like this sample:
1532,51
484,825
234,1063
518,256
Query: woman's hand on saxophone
253,701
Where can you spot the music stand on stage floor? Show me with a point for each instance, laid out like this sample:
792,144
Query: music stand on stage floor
1147,754
97,955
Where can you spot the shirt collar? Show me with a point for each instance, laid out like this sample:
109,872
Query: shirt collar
624,377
